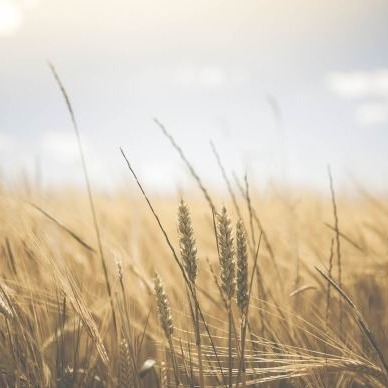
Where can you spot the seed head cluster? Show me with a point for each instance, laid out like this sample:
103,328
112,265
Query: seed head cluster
188,249
163,306
126,373
227,256
242,266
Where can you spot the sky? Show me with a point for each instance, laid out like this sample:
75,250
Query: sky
281,87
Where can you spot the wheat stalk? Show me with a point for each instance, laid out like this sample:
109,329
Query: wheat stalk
228,272
227,255
126,372
242,266
165,318
188,252
242,286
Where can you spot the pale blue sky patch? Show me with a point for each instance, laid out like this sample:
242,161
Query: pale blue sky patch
209,71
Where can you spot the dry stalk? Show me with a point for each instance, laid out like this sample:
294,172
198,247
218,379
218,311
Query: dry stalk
338,245
89,189
165,319
228,274
226,179
242,287
188,252
360,321
126,371
177,261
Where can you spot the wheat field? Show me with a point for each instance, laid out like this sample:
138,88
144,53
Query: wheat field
241,287
197,197
245,301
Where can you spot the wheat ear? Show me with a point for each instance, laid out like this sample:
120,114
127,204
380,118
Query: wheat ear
242,287
188,253
126,378
165,319
227,255
228,273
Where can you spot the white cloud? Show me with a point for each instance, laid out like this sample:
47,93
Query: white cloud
359,84
60,146
212,77
154,174
209,77
10,18
372,113
369,86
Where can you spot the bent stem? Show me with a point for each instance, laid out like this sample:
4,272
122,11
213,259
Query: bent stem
230,343
174,361
242,357
198,341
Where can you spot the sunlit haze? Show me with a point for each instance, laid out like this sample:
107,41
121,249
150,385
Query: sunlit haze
282,88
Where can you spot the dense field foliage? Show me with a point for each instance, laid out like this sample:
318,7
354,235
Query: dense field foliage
242,301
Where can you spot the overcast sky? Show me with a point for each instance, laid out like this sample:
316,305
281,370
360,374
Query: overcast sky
282,88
